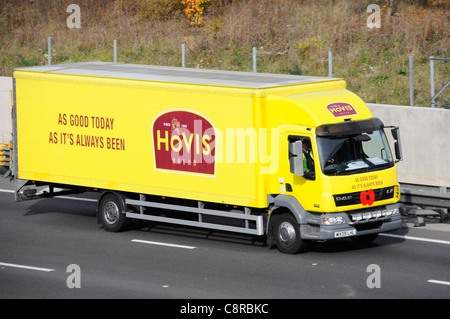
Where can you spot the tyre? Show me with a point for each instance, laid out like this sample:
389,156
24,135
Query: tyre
286,233
111,213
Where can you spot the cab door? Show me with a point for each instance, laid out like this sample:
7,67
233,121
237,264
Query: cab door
304,179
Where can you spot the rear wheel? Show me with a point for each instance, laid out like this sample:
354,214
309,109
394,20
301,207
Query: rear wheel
287,234
111,213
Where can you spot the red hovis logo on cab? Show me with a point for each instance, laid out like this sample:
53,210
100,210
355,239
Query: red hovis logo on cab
184,141
367,197
341,109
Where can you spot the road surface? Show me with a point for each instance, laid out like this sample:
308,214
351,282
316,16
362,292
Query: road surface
54,248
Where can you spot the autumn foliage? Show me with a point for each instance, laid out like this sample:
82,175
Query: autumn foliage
194,9
291,37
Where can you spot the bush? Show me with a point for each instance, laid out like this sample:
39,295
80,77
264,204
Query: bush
159,9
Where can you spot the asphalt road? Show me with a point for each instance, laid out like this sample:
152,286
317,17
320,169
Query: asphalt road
42,240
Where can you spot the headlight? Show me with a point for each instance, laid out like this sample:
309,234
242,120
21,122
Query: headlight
374,215
390,212
367,215
333,220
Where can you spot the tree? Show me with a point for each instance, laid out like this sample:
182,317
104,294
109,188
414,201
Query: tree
194,9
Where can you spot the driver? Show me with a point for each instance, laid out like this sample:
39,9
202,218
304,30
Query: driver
308,156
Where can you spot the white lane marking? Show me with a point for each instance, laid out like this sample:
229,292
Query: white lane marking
439,282
7,191
26,267
162,244
438,241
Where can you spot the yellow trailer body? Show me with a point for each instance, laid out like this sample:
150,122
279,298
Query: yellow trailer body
97,132
205,136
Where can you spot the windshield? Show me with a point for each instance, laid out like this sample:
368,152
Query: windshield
354,153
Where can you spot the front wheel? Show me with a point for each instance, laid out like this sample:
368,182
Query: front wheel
111,215
287,234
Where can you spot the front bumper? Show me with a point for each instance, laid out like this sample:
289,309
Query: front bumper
351,224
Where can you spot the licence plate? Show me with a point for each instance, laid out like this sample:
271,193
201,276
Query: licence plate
345,233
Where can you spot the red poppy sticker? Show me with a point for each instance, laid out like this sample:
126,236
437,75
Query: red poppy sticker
367,197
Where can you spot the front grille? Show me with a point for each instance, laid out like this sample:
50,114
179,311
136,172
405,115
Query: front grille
355,198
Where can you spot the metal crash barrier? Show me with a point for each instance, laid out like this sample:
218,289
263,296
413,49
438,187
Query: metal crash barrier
5,155
425,201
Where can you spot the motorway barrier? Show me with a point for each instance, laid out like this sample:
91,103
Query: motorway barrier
5,155
425,140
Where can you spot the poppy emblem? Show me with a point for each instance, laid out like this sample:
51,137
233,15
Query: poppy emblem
367,197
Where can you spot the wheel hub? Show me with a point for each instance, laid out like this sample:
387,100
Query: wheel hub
111,213
287,233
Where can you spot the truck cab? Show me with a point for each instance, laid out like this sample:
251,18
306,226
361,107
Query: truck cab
350,189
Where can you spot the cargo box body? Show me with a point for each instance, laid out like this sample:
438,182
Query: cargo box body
98,132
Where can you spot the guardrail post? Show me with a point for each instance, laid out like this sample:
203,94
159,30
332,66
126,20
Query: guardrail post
254,60
49,50
115,50
411,80
183,55
432,80
330,64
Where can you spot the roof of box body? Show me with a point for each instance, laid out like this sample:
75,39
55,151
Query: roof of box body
176,74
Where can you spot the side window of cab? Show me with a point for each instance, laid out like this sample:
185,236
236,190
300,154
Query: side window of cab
301,157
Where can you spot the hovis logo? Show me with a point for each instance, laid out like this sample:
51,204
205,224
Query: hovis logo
341,109
184,142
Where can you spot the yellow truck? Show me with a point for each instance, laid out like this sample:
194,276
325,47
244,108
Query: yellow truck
292,158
